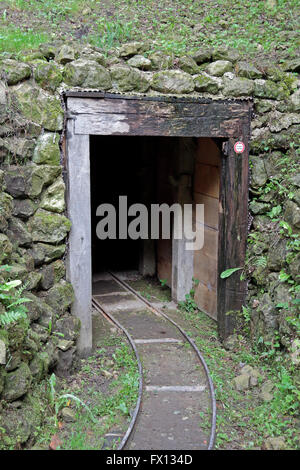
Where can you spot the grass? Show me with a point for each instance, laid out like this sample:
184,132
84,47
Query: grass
255,27
243,420
110,401
14,39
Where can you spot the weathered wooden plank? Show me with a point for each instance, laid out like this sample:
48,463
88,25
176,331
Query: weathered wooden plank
144,125
232,236
79,271
177,108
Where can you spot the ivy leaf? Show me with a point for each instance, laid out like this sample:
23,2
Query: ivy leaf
229,272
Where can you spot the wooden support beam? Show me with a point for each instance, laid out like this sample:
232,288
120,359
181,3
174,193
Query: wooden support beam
79,271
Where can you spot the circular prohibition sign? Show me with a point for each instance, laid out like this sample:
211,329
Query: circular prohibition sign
239,147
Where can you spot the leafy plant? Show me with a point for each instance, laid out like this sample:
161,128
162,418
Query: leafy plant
60,401
228,272
12,300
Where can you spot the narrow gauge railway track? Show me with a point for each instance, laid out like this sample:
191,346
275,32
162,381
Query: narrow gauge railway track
100,303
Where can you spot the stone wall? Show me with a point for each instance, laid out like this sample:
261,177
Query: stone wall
33,225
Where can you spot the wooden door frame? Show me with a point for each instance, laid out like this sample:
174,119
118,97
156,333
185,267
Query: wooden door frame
95,113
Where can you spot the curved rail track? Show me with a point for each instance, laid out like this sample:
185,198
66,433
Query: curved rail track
101,305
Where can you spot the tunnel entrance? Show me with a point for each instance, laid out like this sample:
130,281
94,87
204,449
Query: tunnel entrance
159,170
158,151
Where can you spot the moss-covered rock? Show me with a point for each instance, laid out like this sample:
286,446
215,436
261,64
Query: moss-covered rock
13,71
188,65
132,48
18,147
66,53
39,106
87,74
60,297
140,62
53,198
3,102
202,55
205,83
38,177
237,86
258,172
47,149
173,81
69,327
246,70
52,274
44,253
160,61
270,89
48,76
5,247
17,383
39,365
48,227
225,53
218,68
20,422
295,101
126,78
5,210
24,208
18,232
292,214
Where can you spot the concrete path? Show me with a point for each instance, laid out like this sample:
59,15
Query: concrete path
176,408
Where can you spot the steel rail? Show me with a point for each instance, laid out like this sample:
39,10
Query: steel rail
192,343
104,312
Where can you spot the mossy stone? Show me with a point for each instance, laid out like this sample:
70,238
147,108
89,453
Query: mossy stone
87,74
126,78
17,383
246,70
140,62
44,253
5,247
47,149
188,65
14,71
48,227
39,176
39,106
48,76
60,297
238,86
218,68
65,54
160,61
24,208
205,83
173,81
131,48
270,89
53,198
18,232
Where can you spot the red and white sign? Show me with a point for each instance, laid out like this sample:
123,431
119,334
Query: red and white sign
239,147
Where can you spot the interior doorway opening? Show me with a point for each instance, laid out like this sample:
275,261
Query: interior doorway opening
158,170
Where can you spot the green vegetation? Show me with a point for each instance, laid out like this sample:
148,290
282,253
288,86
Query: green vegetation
100,396
244,421
254,27
11,300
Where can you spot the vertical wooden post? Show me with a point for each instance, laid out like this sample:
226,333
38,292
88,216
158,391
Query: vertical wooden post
79,271
233,219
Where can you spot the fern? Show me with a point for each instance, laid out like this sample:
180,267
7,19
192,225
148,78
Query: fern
12,301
